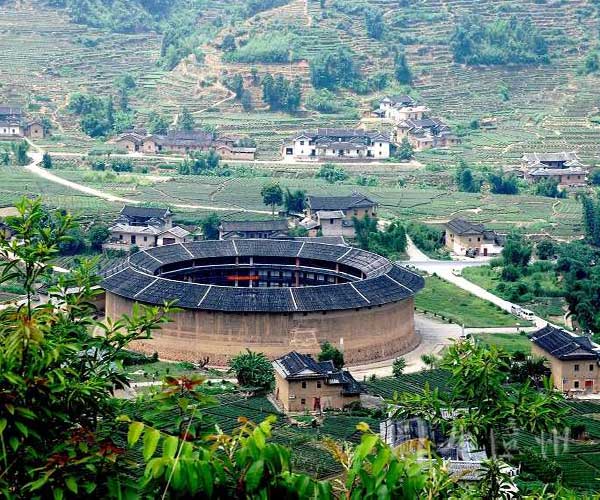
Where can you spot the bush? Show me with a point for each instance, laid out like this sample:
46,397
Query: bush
269,48
331,173
253,369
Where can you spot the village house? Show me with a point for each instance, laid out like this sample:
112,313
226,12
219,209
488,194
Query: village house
184,142
463,237
565,167
144,227
333,215
574,361
264,229
338,144
303,384
398,108
425,133
13,124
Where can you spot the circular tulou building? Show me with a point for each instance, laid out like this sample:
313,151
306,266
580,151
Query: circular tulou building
271,296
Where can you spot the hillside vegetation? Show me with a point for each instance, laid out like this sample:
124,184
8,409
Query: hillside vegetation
529,64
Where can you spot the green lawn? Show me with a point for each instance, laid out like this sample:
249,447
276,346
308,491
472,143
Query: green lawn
510,342
454,304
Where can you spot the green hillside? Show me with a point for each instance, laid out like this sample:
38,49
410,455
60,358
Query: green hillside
539,105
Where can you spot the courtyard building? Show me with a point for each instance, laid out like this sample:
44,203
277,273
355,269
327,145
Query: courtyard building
303,384
334,215
565,167
338,144
14,126
264,229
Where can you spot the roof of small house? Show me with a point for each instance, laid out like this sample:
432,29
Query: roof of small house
296,366
255,225
355,200
177,231
399,99
6,110
127,228
330,240
462,226
552,172
562,345
550,157
330,214
145,212
185,138
345,134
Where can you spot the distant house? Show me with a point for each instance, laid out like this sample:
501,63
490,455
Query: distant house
333,215
574,360
463,236
398,108
144,227
173,235
425,133
13,124
265,229
183,142
338,144
565,167
303,384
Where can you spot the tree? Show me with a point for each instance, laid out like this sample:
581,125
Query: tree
253,369
464,179
4,157
374,23
210,226
405,151
295,201
331,353
157,123
19,150
398,367
47,161
272,195
545,249
331,173
516,251
237,85
246,100
97,235
501,184
110,113
331,70
430,361
591,219
549,188
228,44
185,120
402,71
595,177
483,406
53,366
591,63
73,243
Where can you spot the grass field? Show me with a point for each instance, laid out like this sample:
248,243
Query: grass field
510,342
458,306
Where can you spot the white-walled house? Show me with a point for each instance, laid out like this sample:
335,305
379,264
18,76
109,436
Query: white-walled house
398,108
338,144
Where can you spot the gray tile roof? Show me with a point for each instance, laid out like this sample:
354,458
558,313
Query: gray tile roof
254,225
382,281
355,200
564,346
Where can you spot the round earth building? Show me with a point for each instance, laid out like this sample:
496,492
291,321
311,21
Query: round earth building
271,296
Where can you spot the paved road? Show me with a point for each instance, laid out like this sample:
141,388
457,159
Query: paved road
435,335
446,269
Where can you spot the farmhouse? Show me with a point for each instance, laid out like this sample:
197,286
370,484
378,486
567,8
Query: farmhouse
144,227
277,228
565,167
425,133
183,142
398,108
333,215
463,236
14,126
303,384
338,144
574,361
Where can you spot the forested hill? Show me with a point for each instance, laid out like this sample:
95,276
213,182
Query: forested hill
531,65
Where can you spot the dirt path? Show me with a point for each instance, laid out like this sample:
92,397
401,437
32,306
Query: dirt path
35,169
